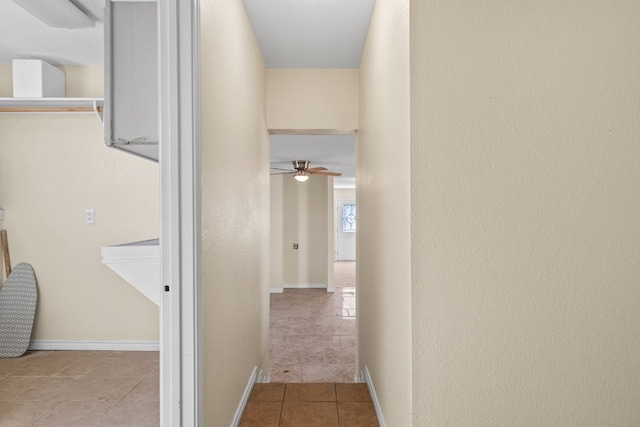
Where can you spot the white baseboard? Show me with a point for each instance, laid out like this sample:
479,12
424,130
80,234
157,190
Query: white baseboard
301,286
245,397
365,377
94,345
305,286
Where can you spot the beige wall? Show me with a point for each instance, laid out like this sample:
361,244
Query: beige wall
306,221
331,232
344,194
275,232
6,88
235,199
312,98
52,168
525,197
308,98
339,194
85,81
383,238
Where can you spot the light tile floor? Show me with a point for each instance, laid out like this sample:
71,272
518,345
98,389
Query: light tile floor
312,331
309,405
80,388
312,340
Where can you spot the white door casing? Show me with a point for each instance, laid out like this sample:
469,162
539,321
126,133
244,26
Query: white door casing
180,204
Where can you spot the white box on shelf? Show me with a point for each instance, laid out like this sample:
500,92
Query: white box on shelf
34,78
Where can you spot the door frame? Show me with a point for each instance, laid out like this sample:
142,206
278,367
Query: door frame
180,205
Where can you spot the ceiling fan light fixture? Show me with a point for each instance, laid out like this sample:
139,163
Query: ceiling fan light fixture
301,176
300,164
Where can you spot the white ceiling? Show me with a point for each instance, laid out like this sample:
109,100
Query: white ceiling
291,33
310,33
23,36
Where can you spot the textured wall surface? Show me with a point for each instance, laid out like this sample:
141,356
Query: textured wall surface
275,232
384,238
235,204
52,168
306,221
525,192
312,98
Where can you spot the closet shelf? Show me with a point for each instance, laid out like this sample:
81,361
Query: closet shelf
52,105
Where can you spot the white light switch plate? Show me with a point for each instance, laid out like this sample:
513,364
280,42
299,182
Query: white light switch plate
89,216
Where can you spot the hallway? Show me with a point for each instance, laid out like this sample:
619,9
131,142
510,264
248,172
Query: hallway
313,332
309,405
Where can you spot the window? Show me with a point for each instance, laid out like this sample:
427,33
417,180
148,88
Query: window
349,218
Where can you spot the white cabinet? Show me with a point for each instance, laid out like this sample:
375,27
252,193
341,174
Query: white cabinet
131,78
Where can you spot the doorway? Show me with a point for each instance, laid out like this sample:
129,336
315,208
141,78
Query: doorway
312,305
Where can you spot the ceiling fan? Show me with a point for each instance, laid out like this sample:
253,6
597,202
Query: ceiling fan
302,171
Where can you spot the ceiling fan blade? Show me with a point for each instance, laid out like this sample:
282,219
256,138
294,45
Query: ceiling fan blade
327,173
281,173
318,169
280,169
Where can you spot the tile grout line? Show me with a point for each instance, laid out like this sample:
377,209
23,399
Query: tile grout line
118,402
335,390
45,415
282,405
53,375
27,380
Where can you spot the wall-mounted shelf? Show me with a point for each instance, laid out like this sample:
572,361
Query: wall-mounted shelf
52,105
